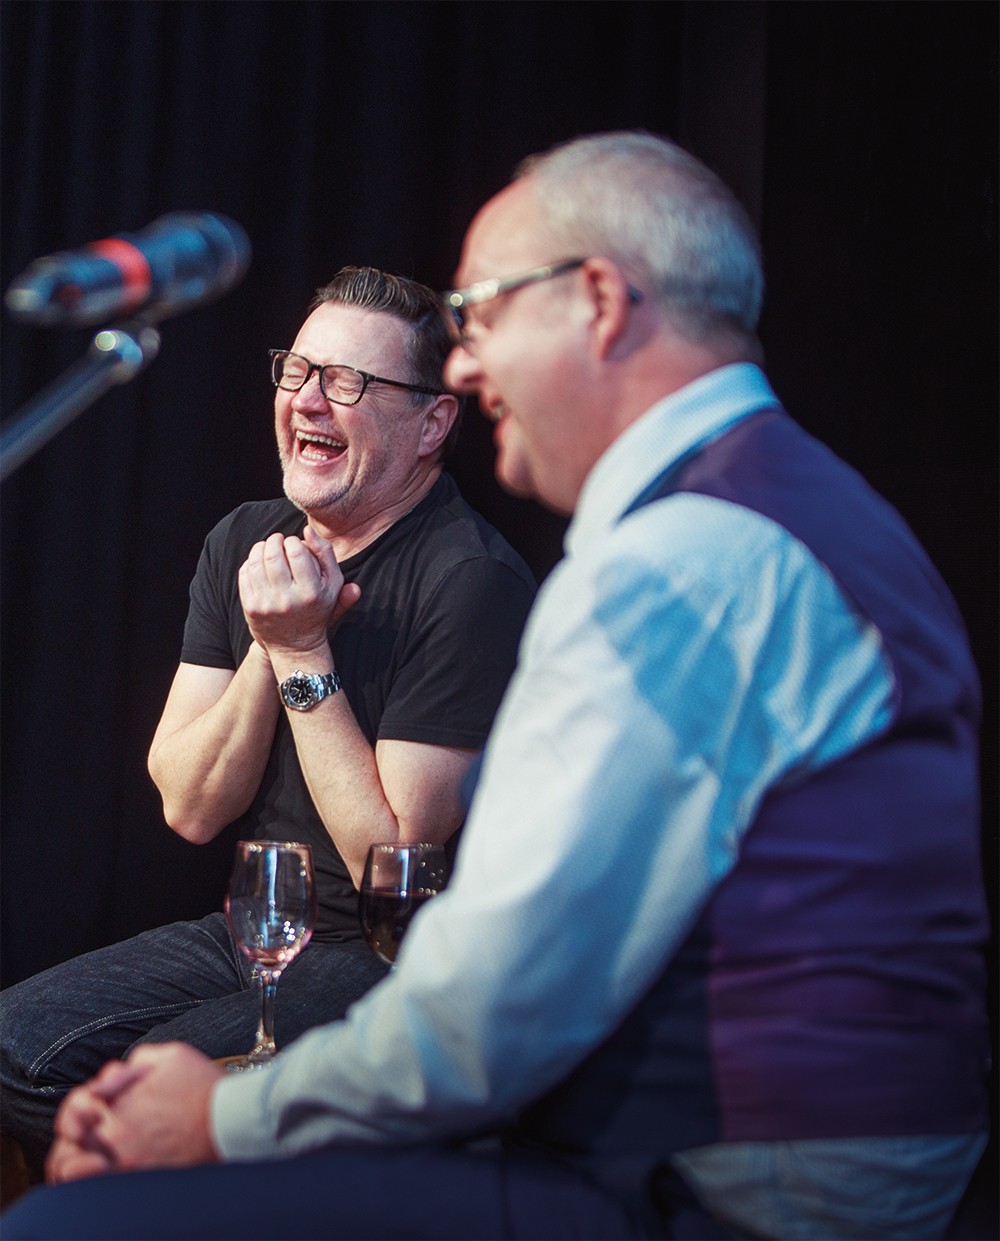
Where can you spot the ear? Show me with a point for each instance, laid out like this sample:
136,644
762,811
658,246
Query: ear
610,299
437,421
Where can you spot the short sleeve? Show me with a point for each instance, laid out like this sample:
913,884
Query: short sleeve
208,639
459,656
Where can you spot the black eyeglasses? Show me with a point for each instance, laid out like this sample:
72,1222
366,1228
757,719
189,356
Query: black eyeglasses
344,385
456,301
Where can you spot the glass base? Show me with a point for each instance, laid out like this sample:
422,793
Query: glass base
248,1063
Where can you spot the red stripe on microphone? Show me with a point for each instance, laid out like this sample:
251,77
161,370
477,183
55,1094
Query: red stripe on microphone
132,264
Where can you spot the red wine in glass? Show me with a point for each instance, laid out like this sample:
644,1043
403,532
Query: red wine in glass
398,881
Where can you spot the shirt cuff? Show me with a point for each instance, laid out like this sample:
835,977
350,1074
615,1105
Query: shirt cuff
237,1113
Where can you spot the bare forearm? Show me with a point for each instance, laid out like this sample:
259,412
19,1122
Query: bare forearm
209,768
349,796
340,769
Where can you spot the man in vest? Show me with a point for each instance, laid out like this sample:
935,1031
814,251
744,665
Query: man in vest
712,958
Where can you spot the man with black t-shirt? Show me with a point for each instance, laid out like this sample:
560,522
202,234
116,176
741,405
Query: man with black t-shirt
344,654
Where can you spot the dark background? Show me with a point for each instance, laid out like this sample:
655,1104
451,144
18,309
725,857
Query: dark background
862,137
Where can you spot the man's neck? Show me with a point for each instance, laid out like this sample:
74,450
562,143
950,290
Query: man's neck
353,534
668,365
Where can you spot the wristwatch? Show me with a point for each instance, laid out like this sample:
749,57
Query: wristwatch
303,690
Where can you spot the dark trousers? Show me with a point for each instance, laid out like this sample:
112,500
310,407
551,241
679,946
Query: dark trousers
357,1194
187,981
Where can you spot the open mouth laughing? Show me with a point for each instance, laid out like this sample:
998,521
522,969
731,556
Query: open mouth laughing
318,448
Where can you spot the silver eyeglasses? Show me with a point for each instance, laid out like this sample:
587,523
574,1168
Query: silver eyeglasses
457,300
344,385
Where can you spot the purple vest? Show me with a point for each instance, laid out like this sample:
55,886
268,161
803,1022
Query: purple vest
834,985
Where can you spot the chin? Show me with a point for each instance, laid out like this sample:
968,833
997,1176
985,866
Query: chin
310,495
512,470
515,478
298,503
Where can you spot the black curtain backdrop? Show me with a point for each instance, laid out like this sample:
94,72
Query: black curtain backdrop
862,137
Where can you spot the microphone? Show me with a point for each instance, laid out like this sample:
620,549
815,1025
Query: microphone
182,259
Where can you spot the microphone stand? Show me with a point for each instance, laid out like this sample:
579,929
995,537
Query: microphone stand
116,355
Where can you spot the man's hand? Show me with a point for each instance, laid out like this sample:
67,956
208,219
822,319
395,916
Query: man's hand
292,591
150,1111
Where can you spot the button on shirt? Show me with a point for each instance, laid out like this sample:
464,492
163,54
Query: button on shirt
683,658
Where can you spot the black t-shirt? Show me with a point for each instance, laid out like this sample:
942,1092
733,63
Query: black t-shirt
424,655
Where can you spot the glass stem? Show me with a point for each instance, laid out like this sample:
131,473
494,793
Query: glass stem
265,1030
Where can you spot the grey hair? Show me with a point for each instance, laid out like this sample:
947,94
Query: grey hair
665,218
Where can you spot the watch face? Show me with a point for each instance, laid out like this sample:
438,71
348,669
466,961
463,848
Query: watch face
299,692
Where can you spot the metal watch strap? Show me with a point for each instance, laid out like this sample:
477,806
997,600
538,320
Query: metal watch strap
303,690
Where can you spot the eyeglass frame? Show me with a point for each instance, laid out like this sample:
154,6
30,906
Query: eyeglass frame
486,290
320,367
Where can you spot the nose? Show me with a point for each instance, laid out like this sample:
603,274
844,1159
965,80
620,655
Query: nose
461,371
309,398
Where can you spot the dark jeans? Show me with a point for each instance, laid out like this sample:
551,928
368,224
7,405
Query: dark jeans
186,981
376,1194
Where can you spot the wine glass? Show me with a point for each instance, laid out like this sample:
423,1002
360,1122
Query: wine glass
271,910
398,880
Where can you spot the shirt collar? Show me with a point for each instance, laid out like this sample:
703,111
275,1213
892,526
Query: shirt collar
667,431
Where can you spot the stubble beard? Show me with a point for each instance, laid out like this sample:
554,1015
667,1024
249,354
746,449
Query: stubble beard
314,498
317,500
